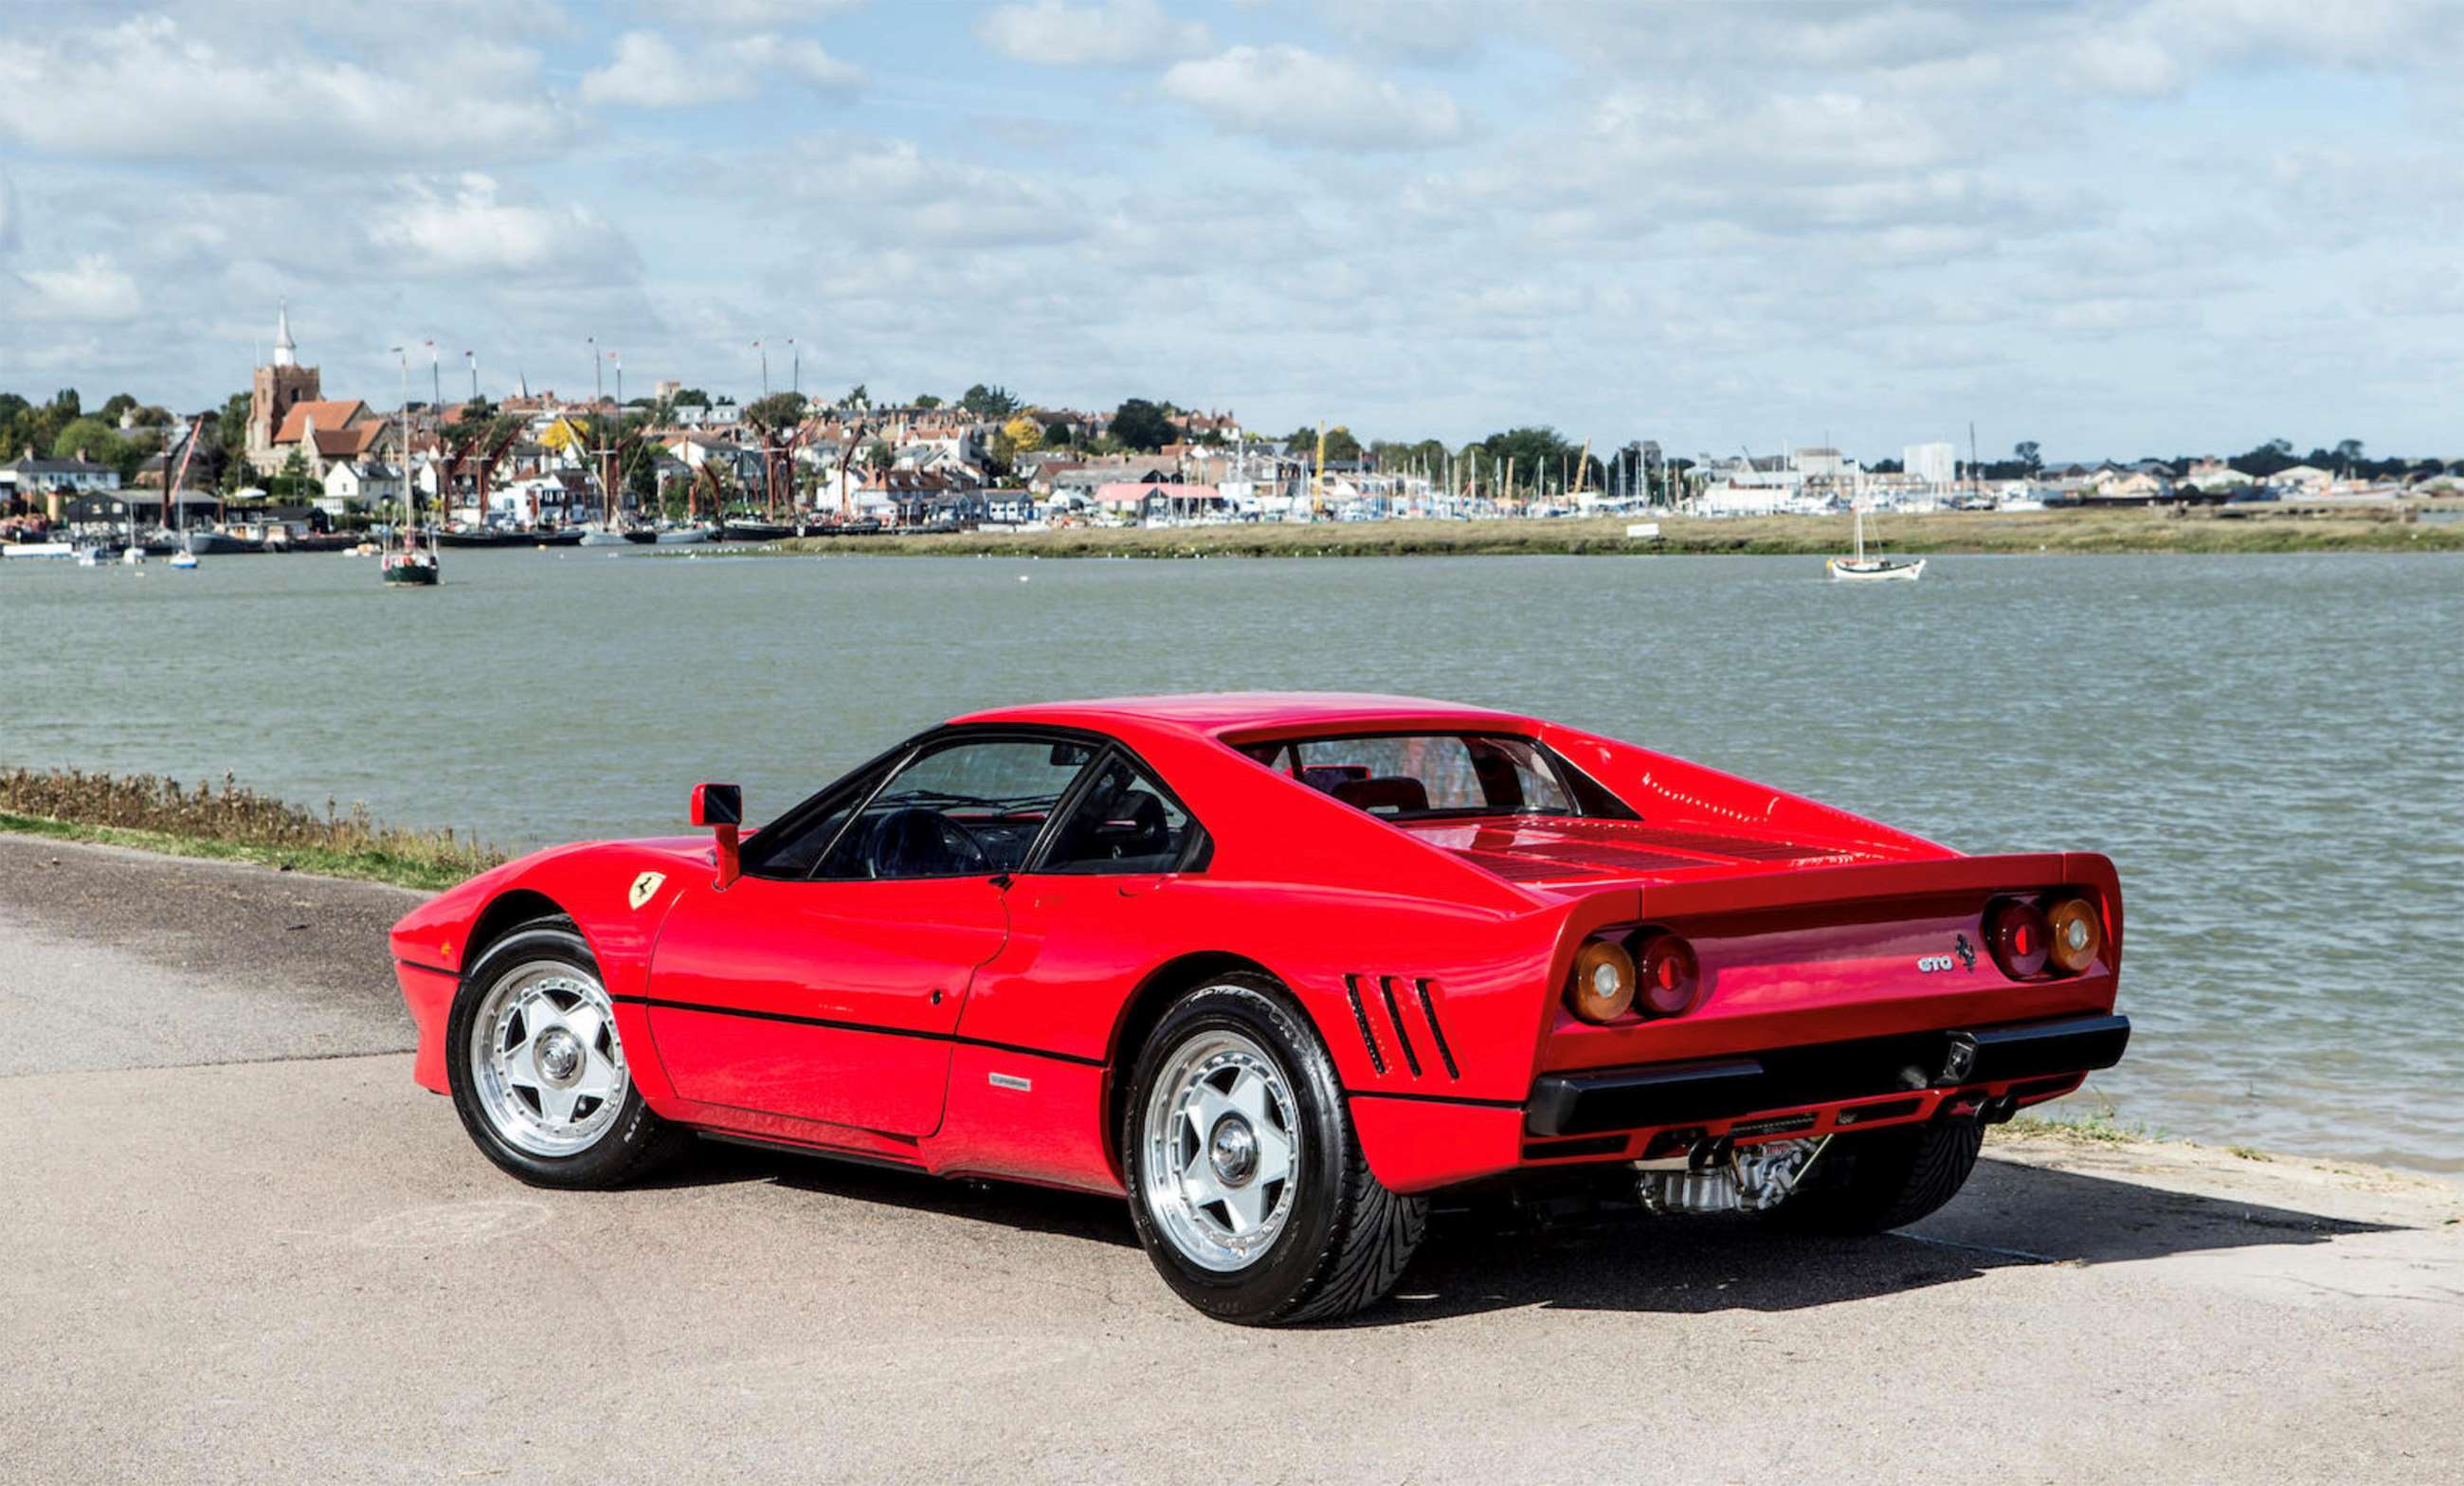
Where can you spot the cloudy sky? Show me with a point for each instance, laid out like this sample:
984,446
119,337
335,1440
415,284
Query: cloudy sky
2127,227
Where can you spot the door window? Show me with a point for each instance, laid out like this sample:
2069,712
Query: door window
963,809
1121,823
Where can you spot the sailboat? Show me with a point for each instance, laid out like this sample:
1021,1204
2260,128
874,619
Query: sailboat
1862,569
410,567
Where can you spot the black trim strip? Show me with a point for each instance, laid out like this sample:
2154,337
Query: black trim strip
1360,1015
1394,1015
1435,1099
433,969
794,1021
1429,1009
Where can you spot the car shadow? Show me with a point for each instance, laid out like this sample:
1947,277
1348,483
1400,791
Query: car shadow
2010,1214
1486,1258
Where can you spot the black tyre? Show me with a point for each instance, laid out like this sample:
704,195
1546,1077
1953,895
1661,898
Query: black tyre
1885,1179
1245,1180
537,1068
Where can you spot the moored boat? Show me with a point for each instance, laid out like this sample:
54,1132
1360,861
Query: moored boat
1862,569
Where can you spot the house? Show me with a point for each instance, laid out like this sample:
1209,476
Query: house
323,433
80,475
364,485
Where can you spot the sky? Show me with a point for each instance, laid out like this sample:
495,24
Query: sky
2122,227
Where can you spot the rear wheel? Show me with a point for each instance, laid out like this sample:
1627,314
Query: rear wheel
1885,1179
537,1069
1247,1184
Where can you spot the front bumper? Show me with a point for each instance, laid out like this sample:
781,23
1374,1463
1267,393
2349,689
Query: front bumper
1719,1088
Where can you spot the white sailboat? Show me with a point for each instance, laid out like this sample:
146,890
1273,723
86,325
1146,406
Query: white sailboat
1862,569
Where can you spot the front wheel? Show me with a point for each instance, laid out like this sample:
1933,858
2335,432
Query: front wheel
1885,1179
537,1068
1247,1184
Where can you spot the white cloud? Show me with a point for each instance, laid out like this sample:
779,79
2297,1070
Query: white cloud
8,215
649,71
93,289
798,58
475,228
1296,97
148,89
1117,34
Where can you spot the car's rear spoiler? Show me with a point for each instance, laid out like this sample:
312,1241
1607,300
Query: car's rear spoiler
1813,886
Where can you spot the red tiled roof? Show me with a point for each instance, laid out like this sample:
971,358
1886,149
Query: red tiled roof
327,415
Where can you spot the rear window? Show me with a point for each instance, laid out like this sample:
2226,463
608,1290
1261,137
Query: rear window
1430,776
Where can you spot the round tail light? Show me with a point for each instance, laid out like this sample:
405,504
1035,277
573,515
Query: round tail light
2075,936
1669,975
2020,940
1603,986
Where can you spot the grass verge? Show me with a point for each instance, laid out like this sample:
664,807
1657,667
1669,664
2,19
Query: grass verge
2232,529
234,824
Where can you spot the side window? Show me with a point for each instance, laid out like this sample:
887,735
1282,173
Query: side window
796,857
1122,823
963,809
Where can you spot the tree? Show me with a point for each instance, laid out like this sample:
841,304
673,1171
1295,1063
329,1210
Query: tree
988,402
1057,434
2030,454
1140,425
927,400
856,397
775,413
690,397
2348,452
1024,435
88,438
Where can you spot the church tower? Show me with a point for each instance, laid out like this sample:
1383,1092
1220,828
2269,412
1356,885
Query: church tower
275,389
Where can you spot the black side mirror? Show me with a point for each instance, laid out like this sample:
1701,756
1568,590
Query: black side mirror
718,804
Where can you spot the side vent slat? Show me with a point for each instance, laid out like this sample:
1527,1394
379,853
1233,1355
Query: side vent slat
1361,1016
1394,1015
1437,1034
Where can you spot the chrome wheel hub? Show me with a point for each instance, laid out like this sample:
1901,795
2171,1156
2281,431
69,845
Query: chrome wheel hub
1221,1151
547,1063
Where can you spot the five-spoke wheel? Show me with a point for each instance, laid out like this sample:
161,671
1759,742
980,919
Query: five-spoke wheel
1246,1183
1223,1150
535,1060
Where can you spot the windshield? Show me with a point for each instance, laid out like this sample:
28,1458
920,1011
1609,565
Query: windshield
1428,776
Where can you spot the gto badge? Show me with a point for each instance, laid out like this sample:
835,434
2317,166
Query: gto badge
645,885
1965,955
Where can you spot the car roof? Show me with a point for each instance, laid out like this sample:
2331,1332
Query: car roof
1212,713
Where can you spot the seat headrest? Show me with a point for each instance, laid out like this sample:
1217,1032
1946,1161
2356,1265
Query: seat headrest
1398,792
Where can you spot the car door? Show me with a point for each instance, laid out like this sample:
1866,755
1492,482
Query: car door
825,984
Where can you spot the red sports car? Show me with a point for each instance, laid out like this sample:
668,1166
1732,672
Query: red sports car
1279,968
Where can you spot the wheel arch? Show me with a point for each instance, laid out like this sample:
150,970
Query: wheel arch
1145,1007
506,911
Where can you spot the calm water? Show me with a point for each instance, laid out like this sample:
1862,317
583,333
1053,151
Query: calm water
2267,746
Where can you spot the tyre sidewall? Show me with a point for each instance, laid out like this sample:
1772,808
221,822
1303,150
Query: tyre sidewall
621,1150
1282,1280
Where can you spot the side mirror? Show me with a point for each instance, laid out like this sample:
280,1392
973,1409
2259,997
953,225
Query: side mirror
718,804
721,808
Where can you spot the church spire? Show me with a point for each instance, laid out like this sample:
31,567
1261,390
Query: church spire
285,351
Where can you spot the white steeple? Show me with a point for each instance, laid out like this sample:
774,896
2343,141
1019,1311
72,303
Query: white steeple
285,352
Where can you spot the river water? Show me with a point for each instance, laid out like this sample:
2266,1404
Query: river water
2267,746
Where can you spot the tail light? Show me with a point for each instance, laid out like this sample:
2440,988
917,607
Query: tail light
2075,934
1603,981
1669,975
2019,939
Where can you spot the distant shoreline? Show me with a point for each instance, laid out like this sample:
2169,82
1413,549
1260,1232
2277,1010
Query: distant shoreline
2209,530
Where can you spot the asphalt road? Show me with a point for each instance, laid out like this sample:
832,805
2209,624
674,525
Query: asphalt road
236,1243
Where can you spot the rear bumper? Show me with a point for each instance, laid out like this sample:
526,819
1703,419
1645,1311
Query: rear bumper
1719,1088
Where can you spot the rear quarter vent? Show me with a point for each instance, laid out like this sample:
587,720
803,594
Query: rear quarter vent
1398,1022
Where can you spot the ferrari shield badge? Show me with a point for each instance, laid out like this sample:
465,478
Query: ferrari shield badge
645,885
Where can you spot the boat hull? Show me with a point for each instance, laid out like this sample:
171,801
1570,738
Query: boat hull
1847,570
221,545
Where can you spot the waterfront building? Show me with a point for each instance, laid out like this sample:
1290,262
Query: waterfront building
80,476
1935,464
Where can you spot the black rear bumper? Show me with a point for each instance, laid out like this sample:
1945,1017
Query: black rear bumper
1719,1088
